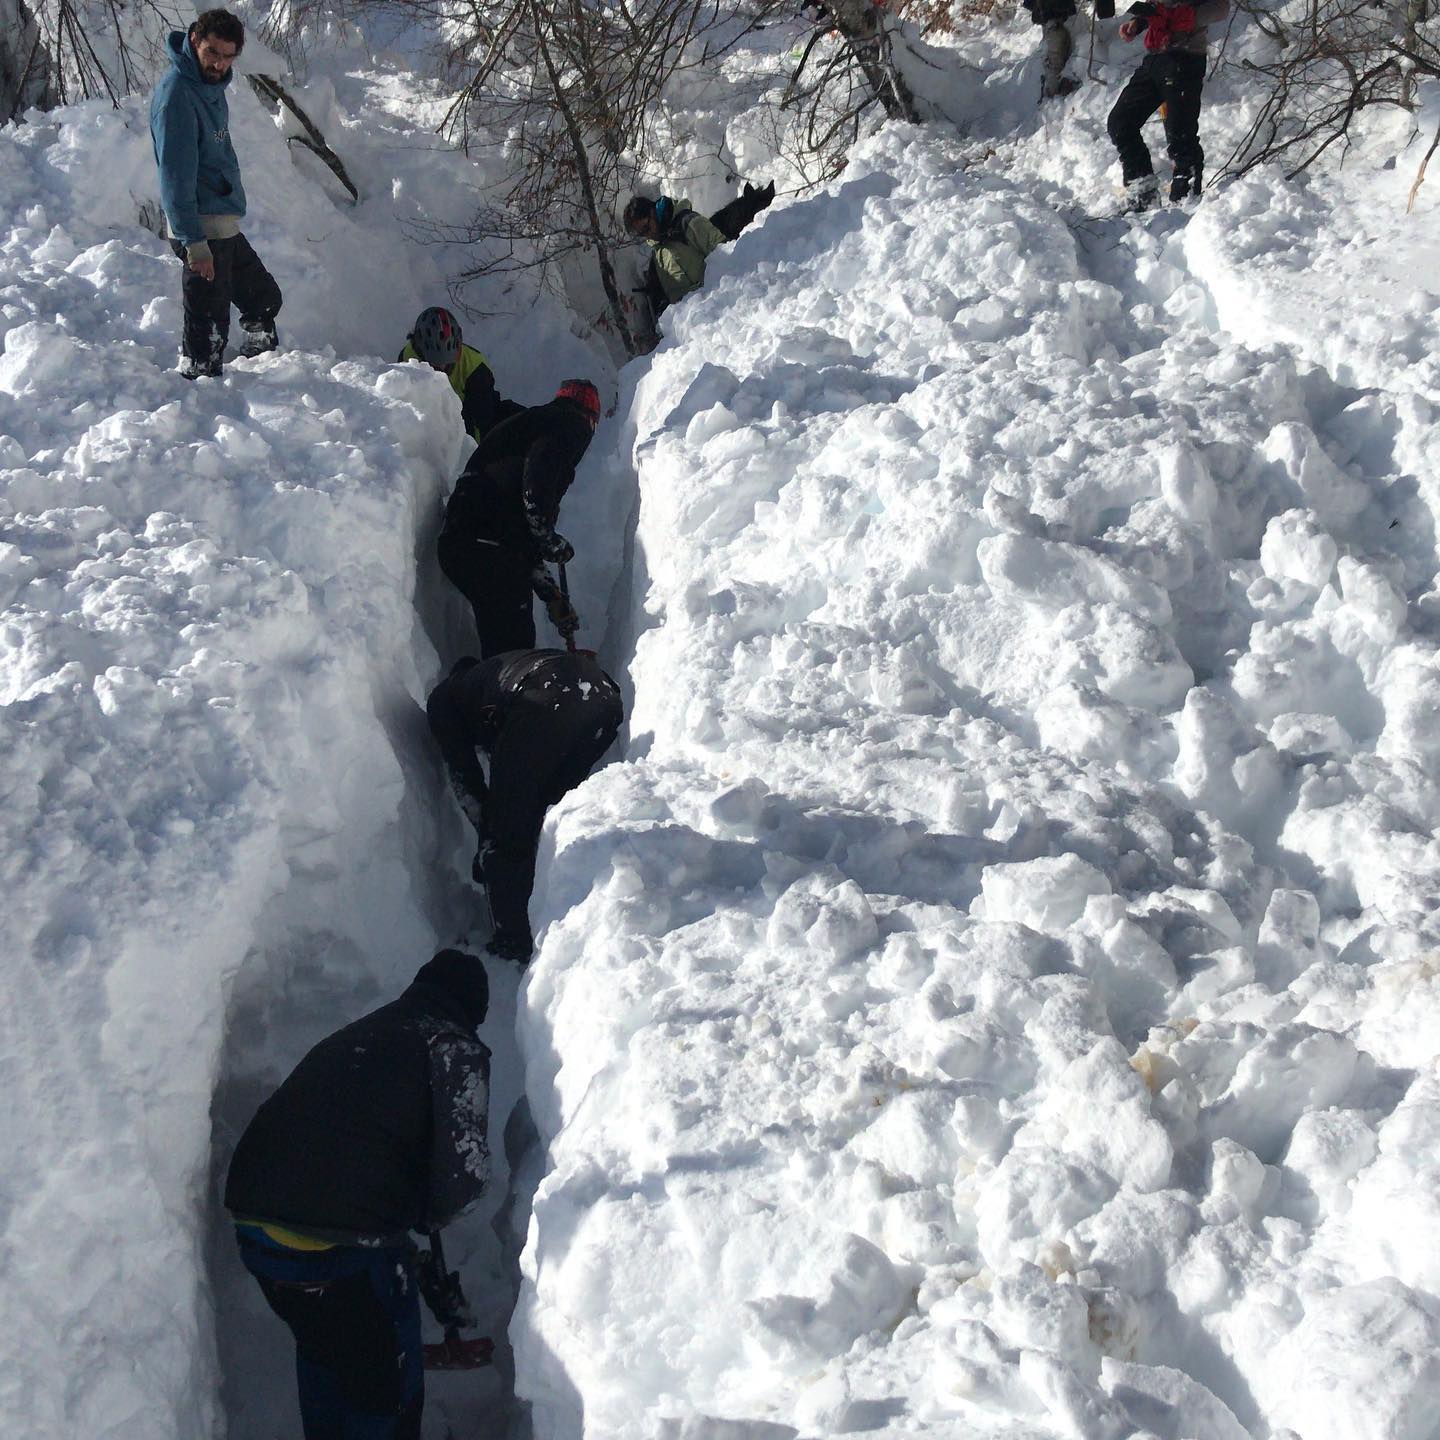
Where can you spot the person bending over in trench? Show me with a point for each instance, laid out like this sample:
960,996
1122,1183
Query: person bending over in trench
379,1130
544,717
500,519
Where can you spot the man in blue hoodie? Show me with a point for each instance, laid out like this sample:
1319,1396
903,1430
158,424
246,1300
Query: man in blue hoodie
204,200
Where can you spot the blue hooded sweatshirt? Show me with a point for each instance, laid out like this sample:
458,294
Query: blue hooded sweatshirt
190,125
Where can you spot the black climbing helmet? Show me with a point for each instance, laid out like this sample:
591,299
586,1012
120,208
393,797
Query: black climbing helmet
436,337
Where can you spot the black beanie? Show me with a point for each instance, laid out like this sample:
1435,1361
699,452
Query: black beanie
462,977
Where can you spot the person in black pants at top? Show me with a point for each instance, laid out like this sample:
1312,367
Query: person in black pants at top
204,199
379,1130
544,717
500,519
1172,74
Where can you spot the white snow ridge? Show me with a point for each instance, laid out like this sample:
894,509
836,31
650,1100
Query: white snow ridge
998,994
997,991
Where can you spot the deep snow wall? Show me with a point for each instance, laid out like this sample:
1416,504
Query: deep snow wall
211,677
998,991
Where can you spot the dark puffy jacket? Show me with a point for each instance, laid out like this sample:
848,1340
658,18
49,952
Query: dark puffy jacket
190,129
510,491
379,1130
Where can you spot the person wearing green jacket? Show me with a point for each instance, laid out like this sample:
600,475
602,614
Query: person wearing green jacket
680,238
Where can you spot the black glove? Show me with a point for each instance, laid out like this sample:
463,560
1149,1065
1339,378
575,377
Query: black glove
471,805
562,615
441,1291
557,548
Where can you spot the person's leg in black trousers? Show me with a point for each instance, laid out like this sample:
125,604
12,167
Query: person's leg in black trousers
256,295
1182,78
496,582
1138,101
207,310
544,750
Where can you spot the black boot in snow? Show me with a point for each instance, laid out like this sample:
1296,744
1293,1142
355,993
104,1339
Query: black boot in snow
1184,185
1141,195
192,369
260,338
507,945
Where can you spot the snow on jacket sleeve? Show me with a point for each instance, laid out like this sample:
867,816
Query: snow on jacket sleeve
460,1106
175,129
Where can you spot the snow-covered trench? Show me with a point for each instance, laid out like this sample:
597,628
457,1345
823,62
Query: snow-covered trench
997,996
225,831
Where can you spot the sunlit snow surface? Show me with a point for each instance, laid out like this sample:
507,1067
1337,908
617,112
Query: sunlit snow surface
998,994
222,829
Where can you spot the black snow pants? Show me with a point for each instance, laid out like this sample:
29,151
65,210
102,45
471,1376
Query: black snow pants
544,750
730,219
496,580
240,279
1173,79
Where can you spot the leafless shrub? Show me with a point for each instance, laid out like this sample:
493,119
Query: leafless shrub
1332,60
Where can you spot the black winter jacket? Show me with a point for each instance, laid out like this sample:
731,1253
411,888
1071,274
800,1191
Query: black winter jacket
510,491
379,1130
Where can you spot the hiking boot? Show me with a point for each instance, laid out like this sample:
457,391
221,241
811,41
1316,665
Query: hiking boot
260,338
508,945
192,369
1140,195
1185,185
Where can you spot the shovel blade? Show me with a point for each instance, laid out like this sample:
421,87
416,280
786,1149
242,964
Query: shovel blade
453,1353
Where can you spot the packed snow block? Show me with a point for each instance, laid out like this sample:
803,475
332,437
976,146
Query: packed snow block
1029,1306
1131,1242
1074,1405
1254,1086
1289,940
1410,688
826,915
1395,1200
1363,1364
1222,765
1082,722
1031,1199
1335,497
1097,1110
1118,653
1187,485
1054,575
1372,598
38,356
1048,895
864,1292
1168,1403
1296,547
1327,1150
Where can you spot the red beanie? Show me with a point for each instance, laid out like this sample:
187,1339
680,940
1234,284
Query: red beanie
584,394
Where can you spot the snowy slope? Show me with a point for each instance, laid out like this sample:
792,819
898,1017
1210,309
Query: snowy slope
224,830
998,995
